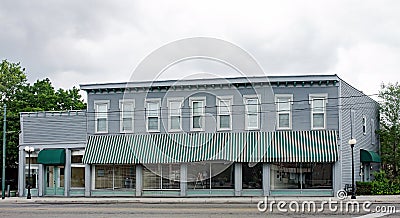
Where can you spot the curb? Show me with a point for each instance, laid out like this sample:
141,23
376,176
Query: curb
232,200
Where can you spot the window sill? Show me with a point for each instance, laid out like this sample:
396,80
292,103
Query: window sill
197,130
99,133
224,130
126,132
153,131
252,129
175,130
319,128
284,128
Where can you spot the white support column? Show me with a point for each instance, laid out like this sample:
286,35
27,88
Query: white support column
336,177
238,178
266,178
139,180
88,180
41,185
183,179
21,172
67,172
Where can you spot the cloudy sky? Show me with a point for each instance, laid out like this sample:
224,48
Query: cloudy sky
77,42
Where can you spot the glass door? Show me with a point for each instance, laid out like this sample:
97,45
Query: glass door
54,179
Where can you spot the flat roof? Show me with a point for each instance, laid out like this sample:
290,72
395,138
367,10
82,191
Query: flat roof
209,81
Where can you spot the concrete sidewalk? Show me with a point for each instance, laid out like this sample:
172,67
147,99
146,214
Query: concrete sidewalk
392,199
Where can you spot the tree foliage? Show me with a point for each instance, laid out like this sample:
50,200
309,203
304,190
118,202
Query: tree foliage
390,128
20,96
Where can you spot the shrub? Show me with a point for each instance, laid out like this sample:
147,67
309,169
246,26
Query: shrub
364,188
380,186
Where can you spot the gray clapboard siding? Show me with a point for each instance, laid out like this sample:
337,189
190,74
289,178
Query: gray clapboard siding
301,113
362,105
53,127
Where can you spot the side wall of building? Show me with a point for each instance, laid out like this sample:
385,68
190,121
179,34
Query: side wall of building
354,106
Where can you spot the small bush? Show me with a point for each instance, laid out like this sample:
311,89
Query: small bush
364,188
380,186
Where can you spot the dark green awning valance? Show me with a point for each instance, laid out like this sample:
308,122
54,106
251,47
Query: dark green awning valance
279,146
369,156
52,157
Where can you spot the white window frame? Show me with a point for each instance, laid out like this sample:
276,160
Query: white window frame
148,101
278,112
312,97
203,120
121,109
364,124
33,167
96,104
77,152
170,101
245,99
219,100
373,136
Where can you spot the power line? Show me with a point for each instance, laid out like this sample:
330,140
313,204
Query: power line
187,113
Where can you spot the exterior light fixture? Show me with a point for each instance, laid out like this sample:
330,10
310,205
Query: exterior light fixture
352,142
29,150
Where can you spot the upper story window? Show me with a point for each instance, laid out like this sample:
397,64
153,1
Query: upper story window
127,108
284,111
364,124
153,115
318,110
373,137
101,116
175,114
197,113
252,119
224,110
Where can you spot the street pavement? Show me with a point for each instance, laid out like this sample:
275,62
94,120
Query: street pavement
188,207
388,199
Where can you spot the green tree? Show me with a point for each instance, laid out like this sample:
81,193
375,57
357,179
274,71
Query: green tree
12,84
390,128
20,96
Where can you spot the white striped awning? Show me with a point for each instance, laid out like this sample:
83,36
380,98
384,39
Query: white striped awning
279,146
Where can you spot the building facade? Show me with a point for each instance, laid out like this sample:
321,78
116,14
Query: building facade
259,136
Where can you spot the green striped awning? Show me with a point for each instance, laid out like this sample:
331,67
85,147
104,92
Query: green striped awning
280,146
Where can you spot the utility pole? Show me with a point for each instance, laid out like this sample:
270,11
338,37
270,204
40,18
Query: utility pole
3,175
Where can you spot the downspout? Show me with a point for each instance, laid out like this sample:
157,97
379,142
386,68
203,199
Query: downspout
340,135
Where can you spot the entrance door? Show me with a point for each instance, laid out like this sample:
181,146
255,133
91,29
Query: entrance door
54,180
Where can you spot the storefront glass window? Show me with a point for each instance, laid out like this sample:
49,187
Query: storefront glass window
161,176
77,172
317,175
76,159
115,177
252,176
222,176
34,176
198,175
77,177
124,177
286,176
301,176
103,177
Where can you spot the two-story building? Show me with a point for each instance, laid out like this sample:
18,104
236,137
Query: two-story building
258,136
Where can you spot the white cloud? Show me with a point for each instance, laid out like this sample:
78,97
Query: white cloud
75,42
